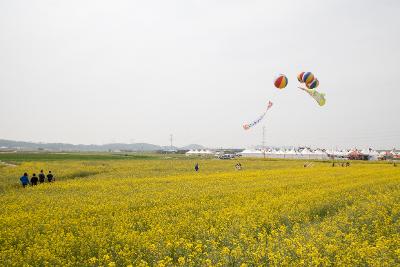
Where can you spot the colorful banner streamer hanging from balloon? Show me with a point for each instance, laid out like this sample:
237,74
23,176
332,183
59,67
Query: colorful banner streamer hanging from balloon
249,125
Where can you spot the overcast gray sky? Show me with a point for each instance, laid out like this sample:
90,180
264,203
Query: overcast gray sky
121,71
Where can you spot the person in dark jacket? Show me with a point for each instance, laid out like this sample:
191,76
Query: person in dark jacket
196,167
50,177
41,177
34,179
24,180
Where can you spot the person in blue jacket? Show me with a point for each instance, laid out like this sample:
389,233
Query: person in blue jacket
24,180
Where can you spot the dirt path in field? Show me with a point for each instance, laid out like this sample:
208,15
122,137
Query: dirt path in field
7,164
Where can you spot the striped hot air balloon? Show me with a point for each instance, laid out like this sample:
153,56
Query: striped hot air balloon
281,81
300,77
308,77
312,85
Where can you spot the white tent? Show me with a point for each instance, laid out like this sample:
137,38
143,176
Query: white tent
191,153
251,153
206,152
291,154
341,153
306,153
319,154
330,152
373,154
274,153
279,154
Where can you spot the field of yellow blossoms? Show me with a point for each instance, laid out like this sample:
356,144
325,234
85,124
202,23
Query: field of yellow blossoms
159,212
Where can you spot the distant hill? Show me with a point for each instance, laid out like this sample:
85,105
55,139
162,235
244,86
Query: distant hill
20,145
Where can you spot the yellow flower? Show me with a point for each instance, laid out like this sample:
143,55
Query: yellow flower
225,250
181,260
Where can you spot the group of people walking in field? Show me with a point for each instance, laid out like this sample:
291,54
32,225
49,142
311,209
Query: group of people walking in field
36,179
238,167
343,164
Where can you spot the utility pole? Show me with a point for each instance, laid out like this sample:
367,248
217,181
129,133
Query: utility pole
263,141
171,139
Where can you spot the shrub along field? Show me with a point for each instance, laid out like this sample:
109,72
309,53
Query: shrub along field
24,157
159,212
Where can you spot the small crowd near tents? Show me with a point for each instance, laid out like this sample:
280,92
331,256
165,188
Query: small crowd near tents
238,166
36,179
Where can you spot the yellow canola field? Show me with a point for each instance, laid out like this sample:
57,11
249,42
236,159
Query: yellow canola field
162,213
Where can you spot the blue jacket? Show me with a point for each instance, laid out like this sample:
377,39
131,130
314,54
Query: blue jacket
24,179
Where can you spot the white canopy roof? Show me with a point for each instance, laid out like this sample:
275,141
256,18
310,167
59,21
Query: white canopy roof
306,151
319,152
291,152
250,151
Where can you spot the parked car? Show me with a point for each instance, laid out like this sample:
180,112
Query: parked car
227,156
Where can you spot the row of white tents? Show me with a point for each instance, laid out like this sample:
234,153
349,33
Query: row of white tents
305,153
285,154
